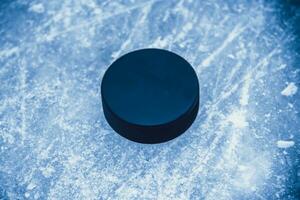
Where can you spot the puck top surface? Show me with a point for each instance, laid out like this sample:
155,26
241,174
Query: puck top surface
150,87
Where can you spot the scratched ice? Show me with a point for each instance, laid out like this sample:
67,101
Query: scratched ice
55,143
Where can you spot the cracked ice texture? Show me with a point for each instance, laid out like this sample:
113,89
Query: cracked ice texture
56,144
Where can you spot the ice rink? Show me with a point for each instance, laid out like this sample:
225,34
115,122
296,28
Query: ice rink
56,144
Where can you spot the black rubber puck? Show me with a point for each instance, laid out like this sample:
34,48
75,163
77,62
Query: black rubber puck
150,95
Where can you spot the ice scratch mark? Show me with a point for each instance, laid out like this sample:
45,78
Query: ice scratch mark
247,78
98,20
8,52
244,98
237,30
23,73
136,28
230,89
238,119
161,42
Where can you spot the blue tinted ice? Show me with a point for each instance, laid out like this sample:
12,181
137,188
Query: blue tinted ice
56,144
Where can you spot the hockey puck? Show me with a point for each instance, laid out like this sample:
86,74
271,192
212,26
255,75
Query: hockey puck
150,95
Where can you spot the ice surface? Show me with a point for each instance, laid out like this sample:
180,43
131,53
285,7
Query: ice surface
56,144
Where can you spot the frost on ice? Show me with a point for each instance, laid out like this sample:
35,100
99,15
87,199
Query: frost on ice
285,143
290,90
38,8
238,119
